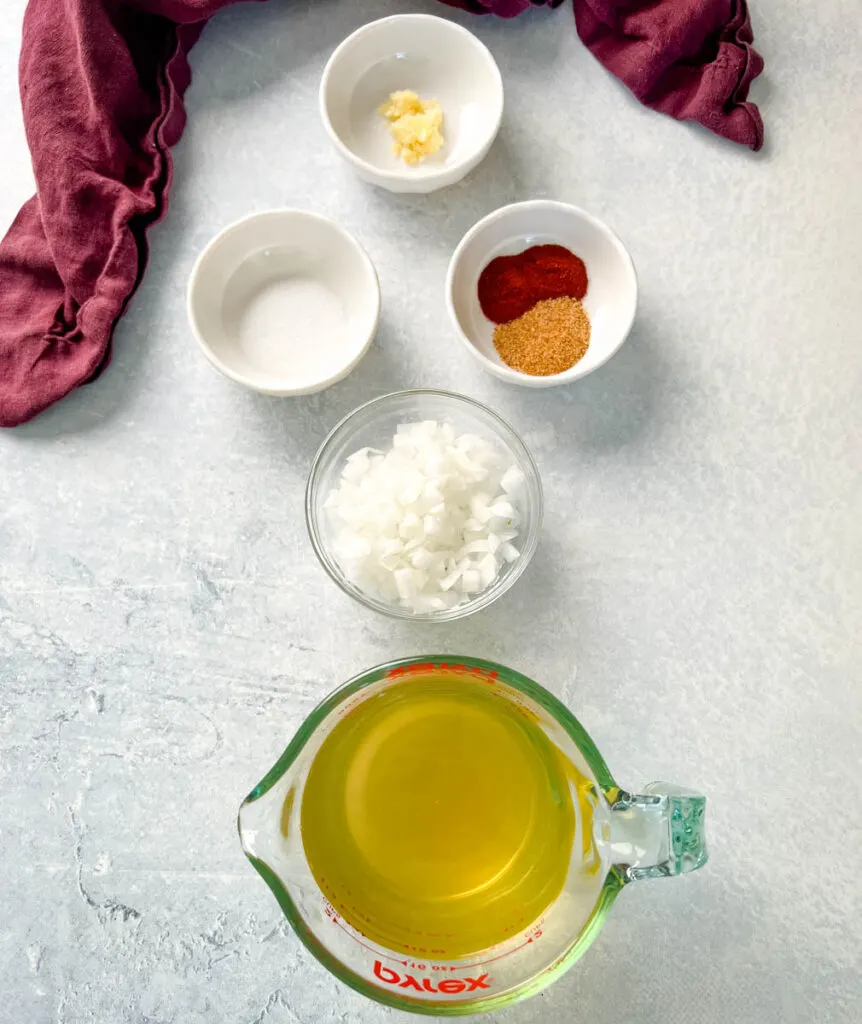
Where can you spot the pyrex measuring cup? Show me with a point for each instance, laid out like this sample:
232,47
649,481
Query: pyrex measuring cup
631,837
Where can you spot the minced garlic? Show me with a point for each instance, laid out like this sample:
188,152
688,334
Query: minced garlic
414,125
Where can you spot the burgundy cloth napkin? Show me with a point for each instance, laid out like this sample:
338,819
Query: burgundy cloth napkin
691,59
102,83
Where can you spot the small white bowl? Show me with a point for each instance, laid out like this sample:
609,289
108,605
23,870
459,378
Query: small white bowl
284,302
612,292
436,59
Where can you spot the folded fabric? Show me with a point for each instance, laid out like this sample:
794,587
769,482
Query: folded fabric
691,59
102,83
502,8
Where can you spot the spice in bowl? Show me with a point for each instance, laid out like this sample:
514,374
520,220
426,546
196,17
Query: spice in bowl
414,125
534,299
430,523
548,339
511,285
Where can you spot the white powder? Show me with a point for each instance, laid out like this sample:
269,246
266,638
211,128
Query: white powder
294,327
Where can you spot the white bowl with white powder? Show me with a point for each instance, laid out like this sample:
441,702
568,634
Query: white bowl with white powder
424,505
285,302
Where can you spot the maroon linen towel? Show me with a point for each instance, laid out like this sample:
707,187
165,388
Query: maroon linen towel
691,59
101,88
102,83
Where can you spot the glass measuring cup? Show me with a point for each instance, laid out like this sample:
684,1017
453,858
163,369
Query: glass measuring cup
657,833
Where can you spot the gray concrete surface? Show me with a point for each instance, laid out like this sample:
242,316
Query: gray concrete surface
697,598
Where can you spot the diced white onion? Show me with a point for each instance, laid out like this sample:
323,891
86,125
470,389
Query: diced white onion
512,481
508,552
429,523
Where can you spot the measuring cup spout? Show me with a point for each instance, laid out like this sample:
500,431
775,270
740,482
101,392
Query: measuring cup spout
658,833
268,823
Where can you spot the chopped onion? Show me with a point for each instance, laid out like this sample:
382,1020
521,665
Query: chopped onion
429,523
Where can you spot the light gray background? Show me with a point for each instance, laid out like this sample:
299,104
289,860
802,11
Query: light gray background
697,598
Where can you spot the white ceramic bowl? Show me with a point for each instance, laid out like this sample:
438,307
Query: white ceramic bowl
285,302
436,59
611,298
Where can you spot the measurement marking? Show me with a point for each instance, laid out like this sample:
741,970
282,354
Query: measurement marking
404,963
370,949
483,963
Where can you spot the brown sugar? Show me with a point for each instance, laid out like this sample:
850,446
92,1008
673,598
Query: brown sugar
547,339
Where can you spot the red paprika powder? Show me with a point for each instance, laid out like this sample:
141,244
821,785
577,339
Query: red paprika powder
511,285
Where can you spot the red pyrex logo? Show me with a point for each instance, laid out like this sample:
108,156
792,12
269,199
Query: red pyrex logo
448,986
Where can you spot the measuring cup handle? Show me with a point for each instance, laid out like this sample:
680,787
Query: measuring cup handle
658,833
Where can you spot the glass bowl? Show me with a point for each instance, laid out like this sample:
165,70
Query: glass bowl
373,425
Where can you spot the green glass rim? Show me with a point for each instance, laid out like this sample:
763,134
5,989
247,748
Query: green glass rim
601,773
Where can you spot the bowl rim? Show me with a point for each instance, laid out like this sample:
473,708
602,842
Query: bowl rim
439,173
500,586
280,387
506,372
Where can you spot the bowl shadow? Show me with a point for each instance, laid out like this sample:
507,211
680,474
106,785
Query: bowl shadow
623,402
301,422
